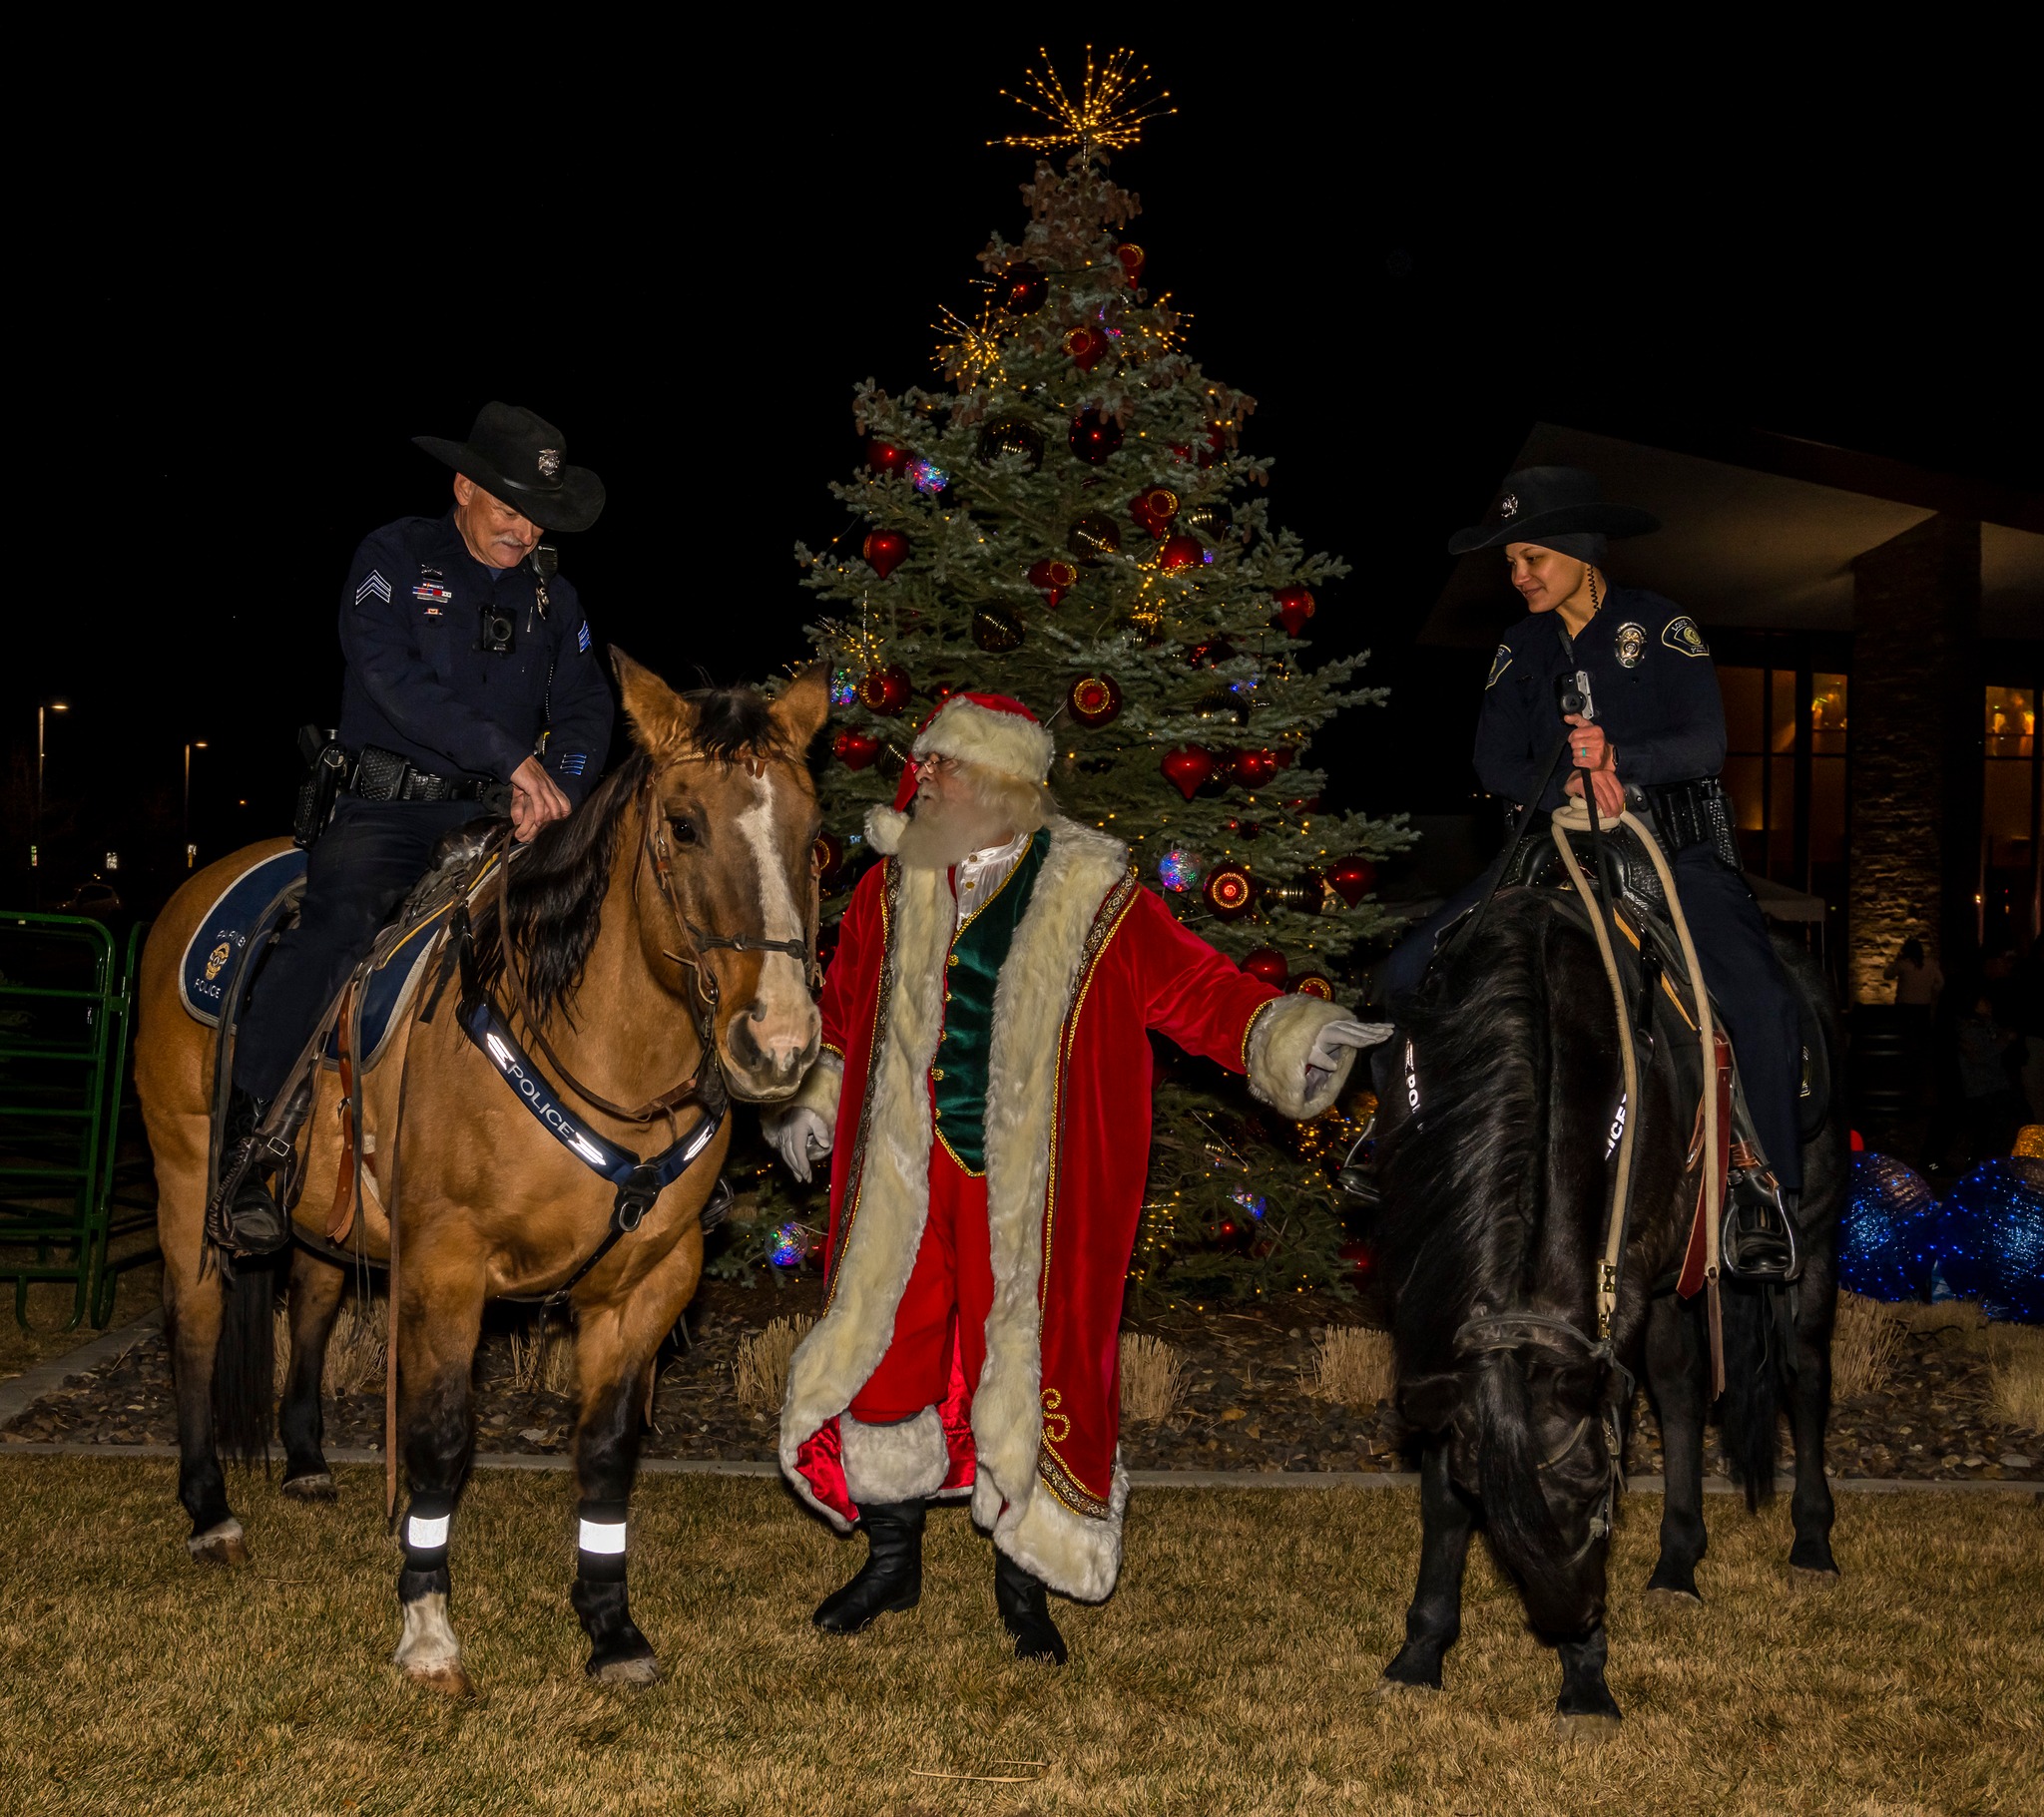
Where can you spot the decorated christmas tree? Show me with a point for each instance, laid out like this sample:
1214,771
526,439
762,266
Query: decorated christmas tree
1074,520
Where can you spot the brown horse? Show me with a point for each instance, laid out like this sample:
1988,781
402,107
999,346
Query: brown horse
676,903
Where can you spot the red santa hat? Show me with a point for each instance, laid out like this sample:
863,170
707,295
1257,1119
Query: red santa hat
994,731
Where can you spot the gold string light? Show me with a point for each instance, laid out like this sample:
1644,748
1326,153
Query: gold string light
1105,115
971,352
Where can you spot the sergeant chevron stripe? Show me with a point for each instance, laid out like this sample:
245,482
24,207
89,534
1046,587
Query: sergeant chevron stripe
373,583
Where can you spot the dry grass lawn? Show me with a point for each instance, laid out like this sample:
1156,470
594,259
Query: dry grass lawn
1235,1670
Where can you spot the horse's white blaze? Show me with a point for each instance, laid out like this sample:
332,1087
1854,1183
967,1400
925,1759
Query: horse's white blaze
427,1645
790,1019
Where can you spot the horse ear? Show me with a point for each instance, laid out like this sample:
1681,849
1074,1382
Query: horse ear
660,718
803,705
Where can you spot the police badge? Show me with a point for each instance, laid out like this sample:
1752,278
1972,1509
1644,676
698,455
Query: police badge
1631,642
549,462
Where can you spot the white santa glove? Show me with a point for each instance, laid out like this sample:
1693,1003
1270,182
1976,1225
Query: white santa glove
1332,1045
801,1137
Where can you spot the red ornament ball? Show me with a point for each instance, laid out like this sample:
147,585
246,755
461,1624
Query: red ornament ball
1053,576
884,691
1189,768
884,550
1268,962
829,859
996,629
1352,877
1095,700
1087,345
1295,607
1153,509
1182,551
1021,289
1314,984
884,457
1229,891
1095,438
855,750
1252,768
1129,256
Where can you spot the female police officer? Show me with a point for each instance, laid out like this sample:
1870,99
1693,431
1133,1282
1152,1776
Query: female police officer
1657,725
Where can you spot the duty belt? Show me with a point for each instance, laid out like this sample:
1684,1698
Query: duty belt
1696,812
382,775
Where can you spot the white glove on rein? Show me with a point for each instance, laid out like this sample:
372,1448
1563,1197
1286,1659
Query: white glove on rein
1333,1041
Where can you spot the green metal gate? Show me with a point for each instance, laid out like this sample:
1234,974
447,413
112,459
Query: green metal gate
67,992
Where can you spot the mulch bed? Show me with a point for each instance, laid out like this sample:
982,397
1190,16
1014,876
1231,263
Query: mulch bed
1248,1403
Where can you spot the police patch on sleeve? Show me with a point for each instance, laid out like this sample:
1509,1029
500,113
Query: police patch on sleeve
1681,634
1499,663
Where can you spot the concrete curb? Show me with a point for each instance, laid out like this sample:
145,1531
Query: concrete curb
21,1392
1141,1479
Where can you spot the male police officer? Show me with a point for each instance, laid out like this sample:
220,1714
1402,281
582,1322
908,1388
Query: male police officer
1658,726
469,667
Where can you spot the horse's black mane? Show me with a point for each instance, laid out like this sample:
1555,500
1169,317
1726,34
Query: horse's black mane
557,888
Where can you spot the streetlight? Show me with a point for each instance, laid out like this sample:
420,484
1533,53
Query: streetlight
191,850
35,852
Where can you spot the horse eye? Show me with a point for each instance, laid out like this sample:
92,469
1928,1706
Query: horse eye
684,830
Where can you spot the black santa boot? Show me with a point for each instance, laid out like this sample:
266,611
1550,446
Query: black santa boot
1025,1611
890,1578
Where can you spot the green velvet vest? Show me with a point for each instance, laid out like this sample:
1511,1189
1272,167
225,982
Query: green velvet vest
958,1074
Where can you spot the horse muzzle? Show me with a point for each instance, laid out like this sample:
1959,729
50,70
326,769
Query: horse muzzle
766,1056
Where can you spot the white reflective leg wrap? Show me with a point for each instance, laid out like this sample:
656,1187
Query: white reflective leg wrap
601,1555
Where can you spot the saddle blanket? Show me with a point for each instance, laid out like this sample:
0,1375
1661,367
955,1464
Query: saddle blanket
207,972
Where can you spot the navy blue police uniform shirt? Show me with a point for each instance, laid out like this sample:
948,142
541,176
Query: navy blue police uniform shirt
420,683
1652,685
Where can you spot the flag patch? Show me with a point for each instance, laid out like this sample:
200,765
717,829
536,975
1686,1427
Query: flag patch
582,635
432,590
373,583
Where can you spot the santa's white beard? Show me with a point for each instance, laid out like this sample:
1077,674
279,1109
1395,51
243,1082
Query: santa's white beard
940,834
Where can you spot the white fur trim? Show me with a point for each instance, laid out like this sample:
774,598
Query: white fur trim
974,734
1075,1554
899,1463
884,826
1035,989
1279,1045
821,1086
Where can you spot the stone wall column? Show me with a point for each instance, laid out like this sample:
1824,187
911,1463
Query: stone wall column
1915,749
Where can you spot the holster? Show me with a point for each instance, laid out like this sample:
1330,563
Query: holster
326,763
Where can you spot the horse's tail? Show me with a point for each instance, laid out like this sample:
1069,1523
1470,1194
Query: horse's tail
1521,1524
244,1364
1757,1363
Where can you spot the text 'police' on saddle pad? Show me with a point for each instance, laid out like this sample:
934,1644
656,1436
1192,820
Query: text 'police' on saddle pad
206,970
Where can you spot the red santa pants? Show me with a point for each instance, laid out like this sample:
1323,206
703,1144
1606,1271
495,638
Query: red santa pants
944,1306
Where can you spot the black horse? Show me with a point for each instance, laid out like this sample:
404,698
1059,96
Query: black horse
1494,1158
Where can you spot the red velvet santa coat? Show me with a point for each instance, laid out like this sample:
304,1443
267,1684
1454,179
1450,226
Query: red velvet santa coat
1096,964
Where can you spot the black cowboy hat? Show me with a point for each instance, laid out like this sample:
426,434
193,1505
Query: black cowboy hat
1540,502
521,459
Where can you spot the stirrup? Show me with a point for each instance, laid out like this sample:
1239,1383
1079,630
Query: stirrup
1758,1240
1358,1174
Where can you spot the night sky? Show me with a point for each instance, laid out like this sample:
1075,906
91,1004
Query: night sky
1405,264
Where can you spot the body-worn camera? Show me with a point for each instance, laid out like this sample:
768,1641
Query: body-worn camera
499,629
1572,695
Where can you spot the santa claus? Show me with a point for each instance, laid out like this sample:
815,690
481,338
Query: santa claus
983,1092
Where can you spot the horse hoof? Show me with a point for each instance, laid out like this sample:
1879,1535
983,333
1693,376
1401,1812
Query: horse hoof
221,1545
1393,1690
1662,1597
1807,1577
316,1485
645,1670
448,1680
1593,1728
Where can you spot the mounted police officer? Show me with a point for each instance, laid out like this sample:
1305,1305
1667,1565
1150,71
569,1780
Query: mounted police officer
1656,725
471,677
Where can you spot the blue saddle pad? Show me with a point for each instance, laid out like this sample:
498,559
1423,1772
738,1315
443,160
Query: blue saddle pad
209,962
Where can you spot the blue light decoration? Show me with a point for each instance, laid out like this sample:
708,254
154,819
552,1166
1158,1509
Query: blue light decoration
790,1245
1252,1202
1991,1238
1178,870
1889,1233
927,477
843,687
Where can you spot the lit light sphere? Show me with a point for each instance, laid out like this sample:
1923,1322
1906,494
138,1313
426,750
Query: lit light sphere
1991,1238
1888,1234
